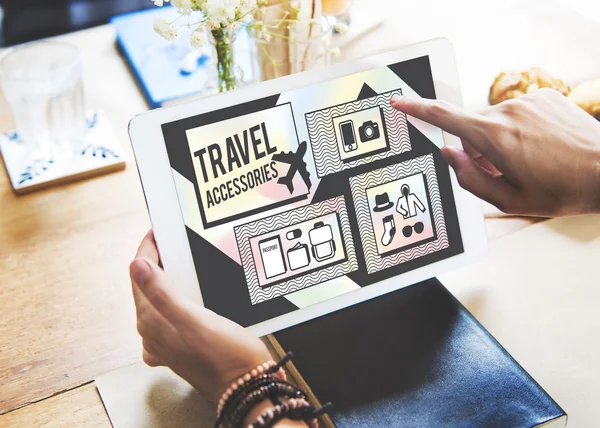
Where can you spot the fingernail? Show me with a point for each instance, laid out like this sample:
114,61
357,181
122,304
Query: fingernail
396,99
140,270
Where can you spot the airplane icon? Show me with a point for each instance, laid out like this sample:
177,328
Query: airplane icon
297,164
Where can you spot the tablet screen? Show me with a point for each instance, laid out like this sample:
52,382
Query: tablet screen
299,197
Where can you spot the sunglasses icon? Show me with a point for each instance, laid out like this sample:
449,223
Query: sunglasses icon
418,227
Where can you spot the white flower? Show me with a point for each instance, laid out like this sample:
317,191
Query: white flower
164,29
199,39
295,5
334,52
233,27
248,6
159,3
221,11
339,27
184,7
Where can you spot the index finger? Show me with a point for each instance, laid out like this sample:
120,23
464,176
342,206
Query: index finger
453,119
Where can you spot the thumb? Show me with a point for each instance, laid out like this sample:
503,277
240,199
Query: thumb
476,180
154,285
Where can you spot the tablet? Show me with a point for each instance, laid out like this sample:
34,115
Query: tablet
287,200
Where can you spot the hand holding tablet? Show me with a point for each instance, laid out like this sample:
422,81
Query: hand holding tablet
287,200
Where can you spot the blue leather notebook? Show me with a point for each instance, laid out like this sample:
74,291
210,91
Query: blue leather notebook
415,358
162,68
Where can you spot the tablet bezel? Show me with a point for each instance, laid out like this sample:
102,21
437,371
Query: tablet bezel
165,212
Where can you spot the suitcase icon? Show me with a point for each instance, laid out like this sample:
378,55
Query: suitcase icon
321,239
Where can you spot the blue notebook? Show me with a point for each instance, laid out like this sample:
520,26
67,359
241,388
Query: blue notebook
415,358
162,68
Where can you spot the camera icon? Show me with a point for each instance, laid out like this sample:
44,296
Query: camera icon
368,131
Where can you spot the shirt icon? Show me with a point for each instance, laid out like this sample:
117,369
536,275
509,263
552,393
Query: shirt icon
408,203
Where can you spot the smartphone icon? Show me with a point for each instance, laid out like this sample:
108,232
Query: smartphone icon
271,255
348,137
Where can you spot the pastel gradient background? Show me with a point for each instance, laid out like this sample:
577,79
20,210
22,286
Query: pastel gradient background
302,100
339,255
281,131
358,118
417,186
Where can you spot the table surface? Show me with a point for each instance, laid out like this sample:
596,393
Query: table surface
66,311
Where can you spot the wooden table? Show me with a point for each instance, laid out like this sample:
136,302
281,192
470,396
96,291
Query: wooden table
66,311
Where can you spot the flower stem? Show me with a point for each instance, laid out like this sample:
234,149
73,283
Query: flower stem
225,64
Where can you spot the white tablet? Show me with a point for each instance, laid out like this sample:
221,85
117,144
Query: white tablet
287,200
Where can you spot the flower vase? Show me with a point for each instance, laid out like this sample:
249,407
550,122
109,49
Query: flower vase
227,77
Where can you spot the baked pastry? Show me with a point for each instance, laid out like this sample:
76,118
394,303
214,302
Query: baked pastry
587,96
513,85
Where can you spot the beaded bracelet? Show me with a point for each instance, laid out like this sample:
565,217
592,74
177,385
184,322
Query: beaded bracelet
268,380
268,391
290,409
269,367
274,390
247,389
293,409
237,397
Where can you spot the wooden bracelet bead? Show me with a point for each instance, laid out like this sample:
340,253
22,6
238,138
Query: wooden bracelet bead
256,396
261,369
236,399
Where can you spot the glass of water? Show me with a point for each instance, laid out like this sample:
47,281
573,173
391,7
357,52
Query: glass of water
42,83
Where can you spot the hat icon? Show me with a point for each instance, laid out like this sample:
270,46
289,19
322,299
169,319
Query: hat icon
382,202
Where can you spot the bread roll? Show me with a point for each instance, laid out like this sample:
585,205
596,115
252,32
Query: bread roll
587,96
513,85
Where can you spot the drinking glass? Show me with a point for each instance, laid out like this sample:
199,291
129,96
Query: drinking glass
42,84
337,11
335,7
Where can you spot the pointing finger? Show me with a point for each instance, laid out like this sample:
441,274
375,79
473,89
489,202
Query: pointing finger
452,119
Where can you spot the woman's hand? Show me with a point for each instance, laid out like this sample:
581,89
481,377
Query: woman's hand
536,155
205,349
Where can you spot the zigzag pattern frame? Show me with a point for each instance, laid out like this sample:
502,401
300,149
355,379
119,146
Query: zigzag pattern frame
324,144
246,231
358,186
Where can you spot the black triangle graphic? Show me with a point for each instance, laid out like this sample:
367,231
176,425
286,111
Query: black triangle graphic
417,74
366,92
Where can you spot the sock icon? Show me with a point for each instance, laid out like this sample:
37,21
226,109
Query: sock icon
389,230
